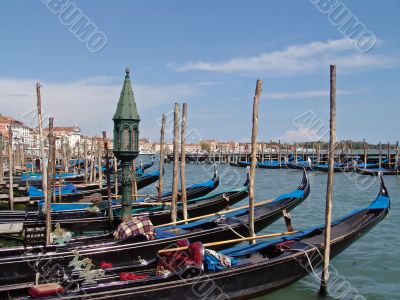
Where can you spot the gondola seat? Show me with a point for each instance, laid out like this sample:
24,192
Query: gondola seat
45,290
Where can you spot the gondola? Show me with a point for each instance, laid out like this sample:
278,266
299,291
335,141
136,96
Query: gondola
376,171
273,164
84,191
300,165
22,268
161,215
244,164
77,194
37,180
263,267
337,167
85,219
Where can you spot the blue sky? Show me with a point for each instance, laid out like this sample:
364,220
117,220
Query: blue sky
208,54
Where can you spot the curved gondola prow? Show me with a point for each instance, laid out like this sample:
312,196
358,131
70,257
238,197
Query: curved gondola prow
247,182
305,182
383,190
215,172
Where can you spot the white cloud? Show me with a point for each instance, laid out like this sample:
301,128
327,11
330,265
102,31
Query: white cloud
89,103
302,134
309,94
295,59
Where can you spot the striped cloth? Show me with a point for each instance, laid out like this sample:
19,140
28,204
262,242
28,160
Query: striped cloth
138,225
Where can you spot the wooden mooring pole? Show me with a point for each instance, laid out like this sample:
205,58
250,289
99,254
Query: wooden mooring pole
116,175
92,162
175,173
42,152
183,161
47,191
109,198
85,160
329,189
162,157
10,168
100,164
254,133
2,159
397,158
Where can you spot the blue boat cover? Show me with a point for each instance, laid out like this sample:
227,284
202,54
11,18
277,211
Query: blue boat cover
68,188
233,214
381,202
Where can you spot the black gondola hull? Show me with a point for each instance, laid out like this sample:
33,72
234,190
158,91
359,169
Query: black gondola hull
18,269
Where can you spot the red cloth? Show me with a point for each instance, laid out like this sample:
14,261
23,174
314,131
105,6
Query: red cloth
176,260
131,276
105,265
284,245
45,290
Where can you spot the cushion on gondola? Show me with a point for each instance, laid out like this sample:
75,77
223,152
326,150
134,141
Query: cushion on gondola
131,276
179,260
45,290
105,265
138,225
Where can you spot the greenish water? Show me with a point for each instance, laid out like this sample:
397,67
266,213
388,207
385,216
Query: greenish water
371,265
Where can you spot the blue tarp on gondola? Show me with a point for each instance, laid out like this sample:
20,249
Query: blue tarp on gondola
69,188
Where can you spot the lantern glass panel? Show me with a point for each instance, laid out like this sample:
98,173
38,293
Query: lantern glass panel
134,139
126,139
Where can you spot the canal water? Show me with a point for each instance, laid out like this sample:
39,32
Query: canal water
370,267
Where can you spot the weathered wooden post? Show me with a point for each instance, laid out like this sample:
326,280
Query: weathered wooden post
388,155
270,150
42,152
134,182
246,151
92,162
116,175
397,158
286,153
380,155
79,156
240,154
52,165
95,161
48,191
329,190
126,142
279,154
183,161
262,151
2,160
110,209
85,160
10,168
100,164
162,156
175,167
365,154
254,134
351,151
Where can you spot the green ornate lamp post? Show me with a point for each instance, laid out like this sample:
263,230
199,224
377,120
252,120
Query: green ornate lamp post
126,141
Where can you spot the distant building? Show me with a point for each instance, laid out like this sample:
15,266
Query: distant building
21,134
192,148
145,146
70,135
168,146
